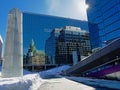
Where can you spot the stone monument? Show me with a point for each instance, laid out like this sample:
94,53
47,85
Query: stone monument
13,53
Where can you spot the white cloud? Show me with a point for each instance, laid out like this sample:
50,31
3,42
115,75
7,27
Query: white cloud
67,8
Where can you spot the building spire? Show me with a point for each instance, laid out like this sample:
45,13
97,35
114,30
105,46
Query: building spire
32,44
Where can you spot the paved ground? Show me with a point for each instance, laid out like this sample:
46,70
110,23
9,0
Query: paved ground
63,84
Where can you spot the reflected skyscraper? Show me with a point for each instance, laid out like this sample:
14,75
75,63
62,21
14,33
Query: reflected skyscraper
66,42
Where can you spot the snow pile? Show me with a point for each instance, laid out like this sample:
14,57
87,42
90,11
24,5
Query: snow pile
28,82
54,72
97,82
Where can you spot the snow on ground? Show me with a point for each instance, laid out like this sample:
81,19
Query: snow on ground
97,82
53,72
29,81
63,84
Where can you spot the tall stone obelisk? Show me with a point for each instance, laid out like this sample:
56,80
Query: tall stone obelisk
13,53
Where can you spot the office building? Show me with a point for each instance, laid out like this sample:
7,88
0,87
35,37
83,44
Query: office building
103,21
62,43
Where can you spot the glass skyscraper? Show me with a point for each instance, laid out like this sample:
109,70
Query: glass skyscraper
38,28
103,21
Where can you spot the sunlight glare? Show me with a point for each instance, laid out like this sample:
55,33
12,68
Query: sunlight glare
86,6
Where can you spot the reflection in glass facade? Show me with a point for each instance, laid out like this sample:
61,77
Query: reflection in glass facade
38,27
50,46
104,21
94,35
63,42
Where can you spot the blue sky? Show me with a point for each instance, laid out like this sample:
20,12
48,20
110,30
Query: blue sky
64,8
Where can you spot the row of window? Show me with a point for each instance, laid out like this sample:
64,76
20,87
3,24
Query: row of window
99,17
112,27
111,35
109,4
111,12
